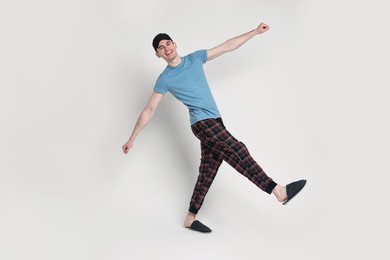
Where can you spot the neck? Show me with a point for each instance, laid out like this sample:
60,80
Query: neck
174,62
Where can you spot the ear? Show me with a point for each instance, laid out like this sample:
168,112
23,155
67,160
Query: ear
158,55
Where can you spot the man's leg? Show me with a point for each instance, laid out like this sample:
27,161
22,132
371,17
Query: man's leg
209,165
235,153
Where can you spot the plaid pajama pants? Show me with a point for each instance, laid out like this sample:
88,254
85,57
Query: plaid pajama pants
218,145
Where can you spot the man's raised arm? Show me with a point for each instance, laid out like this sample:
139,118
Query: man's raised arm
234,43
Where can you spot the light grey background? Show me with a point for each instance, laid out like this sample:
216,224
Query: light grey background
309,98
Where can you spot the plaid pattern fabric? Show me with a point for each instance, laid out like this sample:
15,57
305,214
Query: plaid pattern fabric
218,145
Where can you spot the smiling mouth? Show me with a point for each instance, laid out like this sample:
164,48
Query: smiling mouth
169,52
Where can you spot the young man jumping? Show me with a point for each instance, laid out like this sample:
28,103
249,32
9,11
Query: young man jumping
184,78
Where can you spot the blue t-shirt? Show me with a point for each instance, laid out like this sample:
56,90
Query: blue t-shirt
187,82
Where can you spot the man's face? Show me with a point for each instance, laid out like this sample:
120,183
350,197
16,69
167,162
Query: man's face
166,50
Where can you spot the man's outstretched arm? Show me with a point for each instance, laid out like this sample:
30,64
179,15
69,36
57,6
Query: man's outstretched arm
234,43
143,119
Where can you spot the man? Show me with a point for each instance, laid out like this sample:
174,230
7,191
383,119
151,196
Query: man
184,78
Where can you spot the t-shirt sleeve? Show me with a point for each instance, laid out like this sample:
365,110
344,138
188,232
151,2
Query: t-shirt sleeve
161,86
200,55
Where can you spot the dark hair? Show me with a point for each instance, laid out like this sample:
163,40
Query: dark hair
158,38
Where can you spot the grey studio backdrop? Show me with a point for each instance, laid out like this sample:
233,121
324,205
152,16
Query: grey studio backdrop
309,98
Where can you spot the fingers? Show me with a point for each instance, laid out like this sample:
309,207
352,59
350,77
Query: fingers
125,150
264,25
126,147
262,28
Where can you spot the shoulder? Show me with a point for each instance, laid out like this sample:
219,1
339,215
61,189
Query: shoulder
161,85
161,78
200,55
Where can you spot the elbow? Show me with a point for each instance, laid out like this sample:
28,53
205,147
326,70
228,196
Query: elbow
227,47
149,111
231,45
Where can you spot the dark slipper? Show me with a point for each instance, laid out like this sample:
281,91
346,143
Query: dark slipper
293,189
198,226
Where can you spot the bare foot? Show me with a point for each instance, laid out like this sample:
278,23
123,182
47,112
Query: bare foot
280,193
189,219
